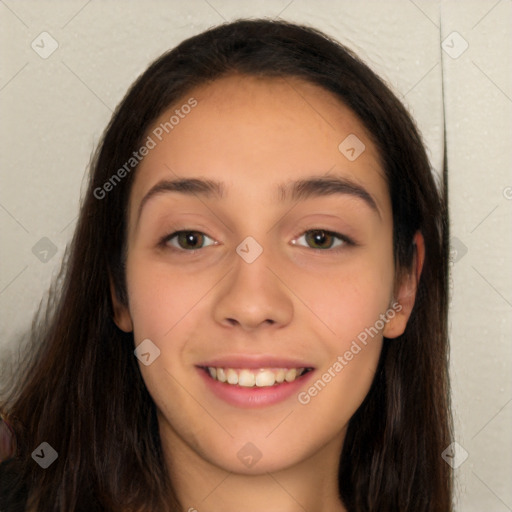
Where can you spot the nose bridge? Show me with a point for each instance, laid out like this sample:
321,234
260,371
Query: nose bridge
253,294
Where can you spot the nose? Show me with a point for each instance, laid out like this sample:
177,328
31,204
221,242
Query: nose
254,295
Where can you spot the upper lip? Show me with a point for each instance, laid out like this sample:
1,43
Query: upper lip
254,362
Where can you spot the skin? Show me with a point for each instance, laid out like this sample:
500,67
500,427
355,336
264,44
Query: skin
295,299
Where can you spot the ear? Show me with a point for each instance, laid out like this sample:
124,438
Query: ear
406,293
122,317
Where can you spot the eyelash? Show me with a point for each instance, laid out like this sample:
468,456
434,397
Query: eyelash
345,240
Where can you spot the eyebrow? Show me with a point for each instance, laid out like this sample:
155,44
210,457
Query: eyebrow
316,186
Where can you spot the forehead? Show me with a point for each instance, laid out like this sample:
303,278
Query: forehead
253,133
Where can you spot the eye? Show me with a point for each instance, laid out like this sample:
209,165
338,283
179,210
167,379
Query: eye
187,240
322,239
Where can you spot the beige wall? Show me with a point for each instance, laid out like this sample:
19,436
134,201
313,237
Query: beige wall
55,108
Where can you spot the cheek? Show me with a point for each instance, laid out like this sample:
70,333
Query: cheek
339,388
165,307
353,308
358,319
161,298
350,298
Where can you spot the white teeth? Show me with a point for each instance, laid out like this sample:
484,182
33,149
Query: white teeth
263,377
290,375
246,379
232,376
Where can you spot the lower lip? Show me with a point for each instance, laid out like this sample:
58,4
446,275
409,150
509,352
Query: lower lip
254,397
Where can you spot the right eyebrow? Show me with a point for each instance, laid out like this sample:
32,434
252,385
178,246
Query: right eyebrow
189,186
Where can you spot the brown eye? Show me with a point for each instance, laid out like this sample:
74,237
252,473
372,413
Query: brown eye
187,240
322,239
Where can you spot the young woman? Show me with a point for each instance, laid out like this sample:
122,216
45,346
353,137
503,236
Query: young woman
253,312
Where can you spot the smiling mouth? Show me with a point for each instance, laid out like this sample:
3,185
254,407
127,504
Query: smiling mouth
261,377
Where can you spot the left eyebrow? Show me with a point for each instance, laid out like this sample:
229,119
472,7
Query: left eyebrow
318,186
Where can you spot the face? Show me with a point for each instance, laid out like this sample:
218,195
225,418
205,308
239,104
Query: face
259,251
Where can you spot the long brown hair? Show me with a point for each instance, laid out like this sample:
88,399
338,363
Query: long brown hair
81,391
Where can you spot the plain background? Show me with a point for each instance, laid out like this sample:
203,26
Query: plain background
54,110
